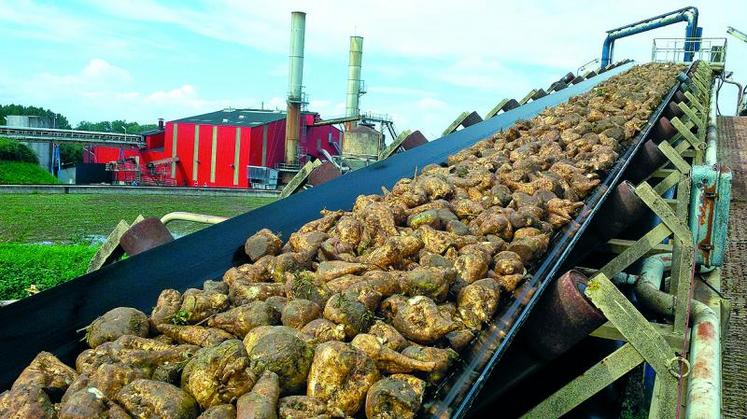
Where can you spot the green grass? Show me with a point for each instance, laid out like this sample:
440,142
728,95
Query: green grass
20,173
25,266
33,218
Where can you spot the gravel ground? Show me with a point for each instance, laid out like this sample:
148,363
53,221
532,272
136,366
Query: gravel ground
733,150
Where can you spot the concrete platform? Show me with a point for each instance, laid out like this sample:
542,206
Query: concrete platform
135,190
732,137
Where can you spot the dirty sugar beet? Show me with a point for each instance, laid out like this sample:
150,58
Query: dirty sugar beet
359,312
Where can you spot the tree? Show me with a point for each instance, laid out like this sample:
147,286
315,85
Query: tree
71,154
118,125
56,120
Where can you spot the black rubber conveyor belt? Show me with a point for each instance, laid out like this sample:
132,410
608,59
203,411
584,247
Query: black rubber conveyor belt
49,321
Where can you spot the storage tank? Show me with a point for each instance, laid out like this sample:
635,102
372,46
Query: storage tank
27,121
43,150
361,141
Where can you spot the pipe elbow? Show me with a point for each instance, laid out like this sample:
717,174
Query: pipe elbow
653,269
607,50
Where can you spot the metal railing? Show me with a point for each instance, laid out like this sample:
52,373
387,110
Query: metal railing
710,50
70,135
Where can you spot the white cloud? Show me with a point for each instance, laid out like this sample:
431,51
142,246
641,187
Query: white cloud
399,91
423,64
98,69
104,91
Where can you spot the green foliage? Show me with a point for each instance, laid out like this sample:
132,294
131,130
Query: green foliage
71,153
43,266
12,150
20,173
55,120
181,317
118,125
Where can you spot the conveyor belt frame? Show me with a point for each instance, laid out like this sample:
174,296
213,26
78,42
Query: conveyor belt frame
662,346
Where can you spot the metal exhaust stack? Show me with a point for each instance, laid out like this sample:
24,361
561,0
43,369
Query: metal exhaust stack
295,80
354,78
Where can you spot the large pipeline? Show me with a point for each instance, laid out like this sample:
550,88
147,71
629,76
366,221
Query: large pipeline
686,14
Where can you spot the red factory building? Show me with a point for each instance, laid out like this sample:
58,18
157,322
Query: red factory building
215,149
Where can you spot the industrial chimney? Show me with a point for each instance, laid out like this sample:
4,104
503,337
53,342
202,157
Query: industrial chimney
354,77
295,80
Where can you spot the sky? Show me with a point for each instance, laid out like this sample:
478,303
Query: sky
424,62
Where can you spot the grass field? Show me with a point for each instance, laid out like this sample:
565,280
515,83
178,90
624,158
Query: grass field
71,218
20,173
43,266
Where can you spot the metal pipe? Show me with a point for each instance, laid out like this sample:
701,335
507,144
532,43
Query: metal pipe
329,158
711,147
648,287
704,380
689,14
711,153
193,217
740,94
295,81
704,383
354,78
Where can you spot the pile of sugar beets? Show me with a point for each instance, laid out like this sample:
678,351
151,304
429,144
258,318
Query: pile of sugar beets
360,311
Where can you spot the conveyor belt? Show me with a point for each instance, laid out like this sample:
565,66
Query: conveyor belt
460,389
71,136
48,321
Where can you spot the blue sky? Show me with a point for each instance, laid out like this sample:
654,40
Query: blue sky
423,62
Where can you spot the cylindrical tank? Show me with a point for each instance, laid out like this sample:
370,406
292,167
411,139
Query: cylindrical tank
17,121
361,141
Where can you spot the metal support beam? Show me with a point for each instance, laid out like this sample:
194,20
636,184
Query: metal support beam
591,382
630,322
609,331
464,119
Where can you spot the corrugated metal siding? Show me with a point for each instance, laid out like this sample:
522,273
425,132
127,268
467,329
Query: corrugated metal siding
206,138
195,150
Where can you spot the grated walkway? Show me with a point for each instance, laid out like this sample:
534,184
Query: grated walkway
732,137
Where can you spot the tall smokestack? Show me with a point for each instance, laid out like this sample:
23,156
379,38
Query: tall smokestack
295,80
354,77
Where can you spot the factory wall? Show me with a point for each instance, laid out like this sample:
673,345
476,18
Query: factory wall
313,137
208,155
213,158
